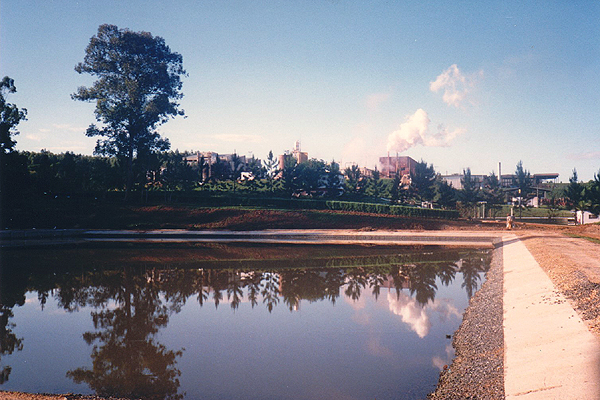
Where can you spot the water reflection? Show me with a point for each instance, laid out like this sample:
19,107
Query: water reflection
131,304
127,360
10,296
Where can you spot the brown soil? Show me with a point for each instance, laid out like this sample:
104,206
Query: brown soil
121,216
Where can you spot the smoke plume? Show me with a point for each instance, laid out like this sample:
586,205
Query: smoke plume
454,85
415,131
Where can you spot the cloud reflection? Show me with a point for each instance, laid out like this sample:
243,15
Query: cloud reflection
441,362
417,316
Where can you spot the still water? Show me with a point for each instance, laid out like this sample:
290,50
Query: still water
232,321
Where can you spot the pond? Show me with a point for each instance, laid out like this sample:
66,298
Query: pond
217,321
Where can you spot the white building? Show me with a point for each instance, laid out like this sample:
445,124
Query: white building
586,217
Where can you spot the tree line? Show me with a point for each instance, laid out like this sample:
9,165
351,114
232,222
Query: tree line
138,88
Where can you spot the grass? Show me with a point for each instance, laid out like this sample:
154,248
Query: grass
542,211
589,238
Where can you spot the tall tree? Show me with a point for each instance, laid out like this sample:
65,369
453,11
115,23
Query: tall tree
335,179
592,194
10,116
13,171
492,192
271,166
309,175
445,194
469,194
575,191
289,173
138,88
522,180
423,181
353,178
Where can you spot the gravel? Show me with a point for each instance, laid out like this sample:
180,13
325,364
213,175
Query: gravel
477,369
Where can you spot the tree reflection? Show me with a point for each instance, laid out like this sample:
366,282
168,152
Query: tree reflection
270,291
126,359
8,340
471,269
10,296
356,280
422,282
446,271
130,305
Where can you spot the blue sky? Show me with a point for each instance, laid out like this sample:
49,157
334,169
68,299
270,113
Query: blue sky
456,83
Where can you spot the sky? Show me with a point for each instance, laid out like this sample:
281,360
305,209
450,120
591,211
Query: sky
458,84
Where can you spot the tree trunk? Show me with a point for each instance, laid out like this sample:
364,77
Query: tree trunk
129,177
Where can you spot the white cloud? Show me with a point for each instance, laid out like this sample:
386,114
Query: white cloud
35,138
357,305
454,85
415,131
445,309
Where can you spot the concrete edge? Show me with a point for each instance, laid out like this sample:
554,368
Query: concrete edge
27,238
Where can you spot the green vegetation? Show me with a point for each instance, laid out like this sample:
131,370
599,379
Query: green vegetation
137,89
138,86
584,196
392,209
591,239
538,212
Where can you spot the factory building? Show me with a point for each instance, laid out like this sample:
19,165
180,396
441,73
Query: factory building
296,153
399,165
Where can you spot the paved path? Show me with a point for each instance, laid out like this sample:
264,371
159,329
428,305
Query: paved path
549,352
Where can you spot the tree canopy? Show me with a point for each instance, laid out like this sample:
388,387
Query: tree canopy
138,88
423,181
469,195
575,192
522,180
10,116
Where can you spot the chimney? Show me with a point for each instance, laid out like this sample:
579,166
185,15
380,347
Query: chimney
388,165
500,173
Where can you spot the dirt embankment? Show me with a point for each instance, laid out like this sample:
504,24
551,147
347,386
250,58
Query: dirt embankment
122,216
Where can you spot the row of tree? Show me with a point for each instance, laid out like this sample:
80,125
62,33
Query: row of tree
584,196
138,86
32,173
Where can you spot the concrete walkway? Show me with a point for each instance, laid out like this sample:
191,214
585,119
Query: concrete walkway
549,353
